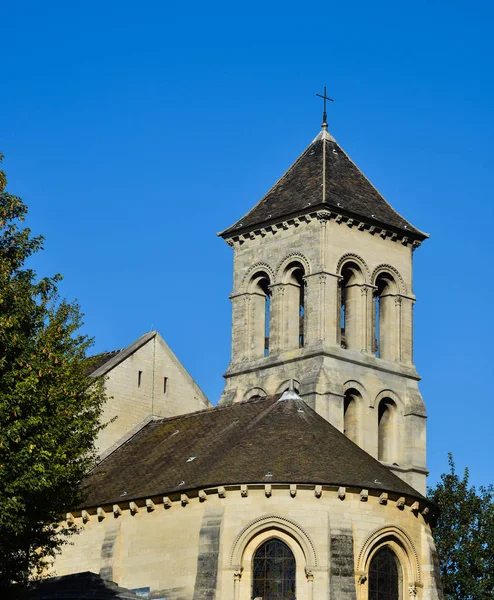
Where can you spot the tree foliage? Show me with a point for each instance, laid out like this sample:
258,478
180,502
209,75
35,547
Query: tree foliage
49,410
464,535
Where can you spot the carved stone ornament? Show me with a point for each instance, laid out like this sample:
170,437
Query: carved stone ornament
309,575
237,575
362,578
412,590
323,217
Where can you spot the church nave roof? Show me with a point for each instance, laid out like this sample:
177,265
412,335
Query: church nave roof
264,440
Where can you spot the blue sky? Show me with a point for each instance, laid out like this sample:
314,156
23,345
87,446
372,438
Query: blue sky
136,131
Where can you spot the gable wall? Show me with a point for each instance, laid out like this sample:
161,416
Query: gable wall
132,404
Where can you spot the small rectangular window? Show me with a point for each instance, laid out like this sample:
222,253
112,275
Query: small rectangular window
139,378
165,382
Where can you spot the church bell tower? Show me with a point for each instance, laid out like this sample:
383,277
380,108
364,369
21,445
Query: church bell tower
322,294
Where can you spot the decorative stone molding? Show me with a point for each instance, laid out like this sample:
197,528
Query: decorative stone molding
101,513
268,490
150,505
167,503
351,257
259,266
399,540
133,508
184,499
383,498
202,496
244,491
341,493
117,511
323,217
293,490
400,503
318,491
293,257
274,522
390,270
221,492
364,495
85,516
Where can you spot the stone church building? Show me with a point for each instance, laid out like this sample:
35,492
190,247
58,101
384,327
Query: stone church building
308,479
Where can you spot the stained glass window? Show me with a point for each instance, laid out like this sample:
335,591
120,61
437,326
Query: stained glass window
273,572
384,579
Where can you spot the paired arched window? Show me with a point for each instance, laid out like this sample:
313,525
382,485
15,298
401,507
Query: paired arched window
273,571
294,306
384,576
259,315
386,317
350,414
351,306
387,430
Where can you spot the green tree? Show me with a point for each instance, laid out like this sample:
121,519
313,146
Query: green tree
464,535
49,410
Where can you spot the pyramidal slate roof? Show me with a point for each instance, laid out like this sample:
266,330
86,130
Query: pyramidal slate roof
324,176
264,440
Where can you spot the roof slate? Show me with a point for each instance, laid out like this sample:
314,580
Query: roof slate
324,176
237,444
105,362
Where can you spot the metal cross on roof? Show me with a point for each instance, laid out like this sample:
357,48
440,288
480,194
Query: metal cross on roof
324,97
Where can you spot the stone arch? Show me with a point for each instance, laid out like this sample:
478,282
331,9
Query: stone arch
394,273
253,392
401,544
286,384
352,302
386,393
294,257
389,427
352,383
350,257
273,523
260,267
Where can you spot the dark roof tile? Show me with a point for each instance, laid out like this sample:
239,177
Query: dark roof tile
346,190
237,444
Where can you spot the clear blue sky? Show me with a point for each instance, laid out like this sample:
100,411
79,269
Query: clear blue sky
136,131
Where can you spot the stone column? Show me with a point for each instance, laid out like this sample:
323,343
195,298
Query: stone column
237,576
276,325
406,343
239,326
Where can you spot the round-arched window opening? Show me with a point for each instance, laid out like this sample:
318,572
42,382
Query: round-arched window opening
274,571
384,576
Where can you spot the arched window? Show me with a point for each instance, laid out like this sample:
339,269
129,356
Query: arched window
386,317
259,315
350,419
386,430
351,306
274,570
294,306
384,576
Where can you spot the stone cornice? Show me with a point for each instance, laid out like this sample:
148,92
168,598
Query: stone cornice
417,505
323,215
357,358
